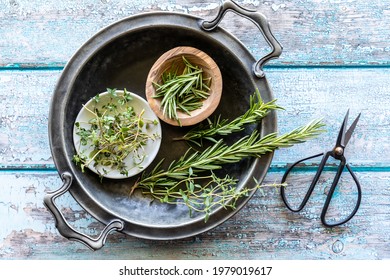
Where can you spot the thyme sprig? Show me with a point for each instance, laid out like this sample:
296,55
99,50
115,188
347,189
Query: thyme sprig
204,196
183,91
258,109
181,178
113,133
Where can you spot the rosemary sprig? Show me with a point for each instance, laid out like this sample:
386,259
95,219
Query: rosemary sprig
184,92
257,111
166,185
214,156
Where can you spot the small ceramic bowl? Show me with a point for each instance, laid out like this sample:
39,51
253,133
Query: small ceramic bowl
133,163
174,57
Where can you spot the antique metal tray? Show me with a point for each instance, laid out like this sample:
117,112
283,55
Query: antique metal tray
120,56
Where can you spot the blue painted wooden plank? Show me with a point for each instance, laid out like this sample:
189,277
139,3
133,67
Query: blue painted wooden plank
318,38
43,33
328,93
263,229
25,100
305,93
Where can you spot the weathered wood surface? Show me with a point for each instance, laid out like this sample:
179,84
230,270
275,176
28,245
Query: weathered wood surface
304,93
263,229
323,32
336,56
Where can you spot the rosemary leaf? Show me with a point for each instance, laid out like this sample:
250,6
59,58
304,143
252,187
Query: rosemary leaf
184,92
257,111
167,185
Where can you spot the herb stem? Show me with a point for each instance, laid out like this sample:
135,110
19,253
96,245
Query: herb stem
258,109
213,157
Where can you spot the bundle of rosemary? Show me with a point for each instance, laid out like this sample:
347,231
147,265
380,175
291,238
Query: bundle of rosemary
191,180
183,91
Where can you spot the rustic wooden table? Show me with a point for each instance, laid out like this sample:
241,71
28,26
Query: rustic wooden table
336,56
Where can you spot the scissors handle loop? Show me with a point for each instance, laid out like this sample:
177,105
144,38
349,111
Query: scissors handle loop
331,190
311,188
330,195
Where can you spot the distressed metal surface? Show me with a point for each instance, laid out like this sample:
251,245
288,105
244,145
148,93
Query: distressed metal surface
108,60
336,56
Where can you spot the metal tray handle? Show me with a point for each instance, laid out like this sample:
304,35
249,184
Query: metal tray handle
65,229
260,21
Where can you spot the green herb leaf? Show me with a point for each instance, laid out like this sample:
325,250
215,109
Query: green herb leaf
184,92
222,127
114,132
203,188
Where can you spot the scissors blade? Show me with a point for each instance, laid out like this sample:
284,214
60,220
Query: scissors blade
350,130
341,137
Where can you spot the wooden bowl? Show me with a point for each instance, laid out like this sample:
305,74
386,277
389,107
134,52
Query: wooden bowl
197,58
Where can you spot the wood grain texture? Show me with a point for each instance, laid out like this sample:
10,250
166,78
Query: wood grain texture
322,32
305,93
263,229
25,98
336,56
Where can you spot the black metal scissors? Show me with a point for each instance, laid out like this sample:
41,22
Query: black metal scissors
337,153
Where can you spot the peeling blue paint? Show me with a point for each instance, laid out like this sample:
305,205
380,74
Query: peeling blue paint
333,50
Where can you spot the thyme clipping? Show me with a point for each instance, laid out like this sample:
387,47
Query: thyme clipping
182,92
114,132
